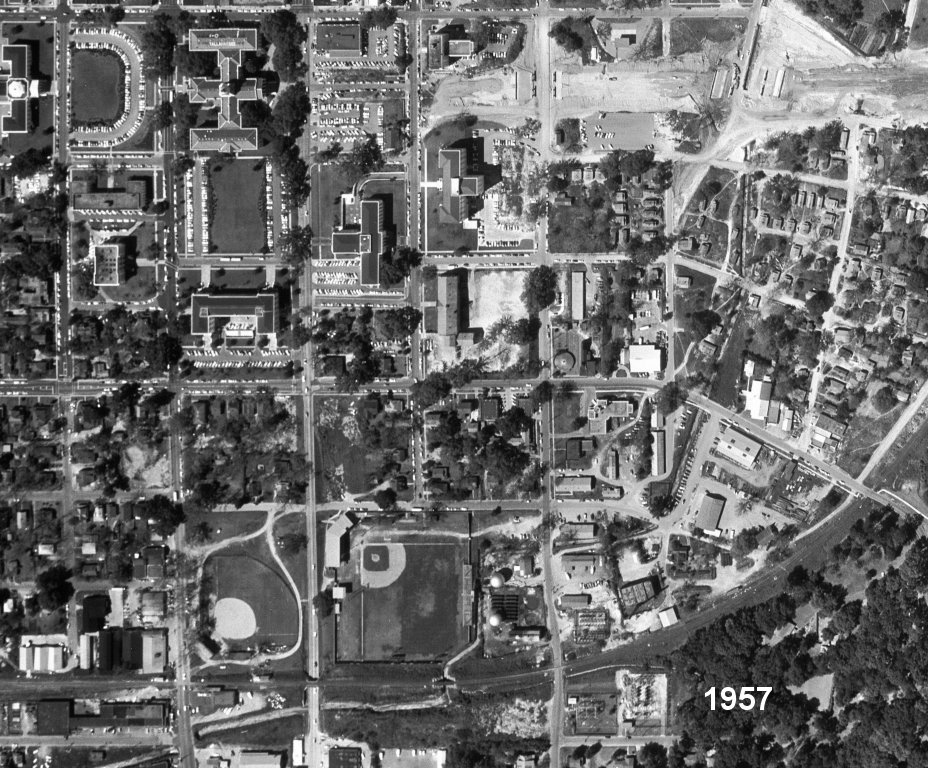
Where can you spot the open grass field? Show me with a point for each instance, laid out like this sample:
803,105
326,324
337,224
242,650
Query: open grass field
97,86
692,35
246,573
237,201
408,610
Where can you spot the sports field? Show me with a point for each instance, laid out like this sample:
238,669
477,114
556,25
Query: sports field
409,604
244,578
237,205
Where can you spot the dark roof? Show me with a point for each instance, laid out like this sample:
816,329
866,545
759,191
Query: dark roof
338,37
345,757
53,718
93,613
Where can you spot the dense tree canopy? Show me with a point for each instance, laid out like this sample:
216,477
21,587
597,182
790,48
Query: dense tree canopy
54,587
283,30
540,289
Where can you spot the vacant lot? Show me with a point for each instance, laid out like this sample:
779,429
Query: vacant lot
237,206
417,615
692,35
97,87
689,300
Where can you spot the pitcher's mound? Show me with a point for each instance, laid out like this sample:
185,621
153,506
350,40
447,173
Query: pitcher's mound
235,620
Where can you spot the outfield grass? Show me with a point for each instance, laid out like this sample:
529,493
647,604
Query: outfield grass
418,616
246,572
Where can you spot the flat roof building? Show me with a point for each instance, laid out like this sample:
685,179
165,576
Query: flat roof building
577,296
576,484
339,39
366,242
109,264
738,448
644,359
238,318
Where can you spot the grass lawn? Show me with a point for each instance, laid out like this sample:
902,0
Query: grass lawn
691,35
566,410
688,300
140,287
237,200
97,86
863,435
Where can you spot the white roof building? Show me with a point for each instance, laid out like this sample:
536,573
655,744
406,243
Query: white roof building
644,358
738,448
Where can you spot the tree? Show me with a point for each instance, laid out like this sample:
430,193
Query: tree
364,158
434,387
565,33
819,303
652,755
884,400
31,161
330,153
396,323
543,392
194,63
670,397
291,109
158,41
382,17
397,265
385,498
621,163
163,116
703,321
283,30
54,587
540,289
166,514
296,247
294,175
662,505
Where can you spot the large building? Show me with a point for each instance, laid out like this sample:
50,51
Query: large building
17,89
461,190
339,39
362,236
240,319
578,295
109,264
738,448
646,359
710,512
224,93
